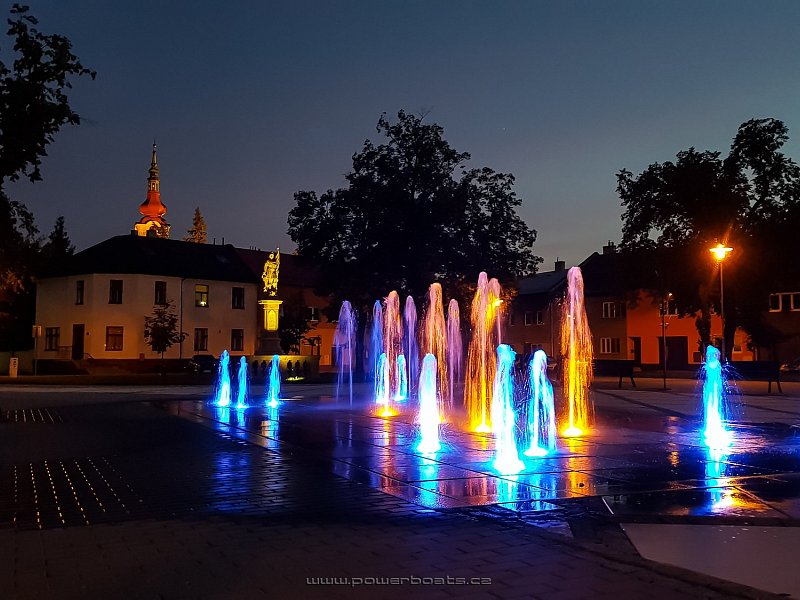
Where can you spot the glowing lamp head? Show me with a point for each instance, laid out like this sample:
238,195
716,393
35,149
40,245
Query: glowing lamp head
720,251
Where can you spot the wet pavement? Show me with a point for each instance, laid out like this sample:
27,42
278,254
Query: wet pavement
642,467
319,489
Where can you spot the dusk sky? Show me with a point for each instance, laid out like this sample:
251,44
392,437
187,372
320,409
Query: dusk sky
252,101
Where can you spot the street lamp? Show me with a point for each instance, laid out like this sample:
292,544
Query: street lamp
664,307
720,251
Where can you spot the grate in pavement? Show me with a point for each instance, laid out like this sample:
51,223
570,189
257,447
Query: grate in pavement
63,493
32,415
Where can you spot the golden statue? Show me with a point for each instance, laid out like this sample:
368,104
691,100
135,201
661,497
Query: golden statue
270,276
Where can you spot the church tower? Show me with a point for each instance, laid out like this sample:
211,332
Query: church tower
152,222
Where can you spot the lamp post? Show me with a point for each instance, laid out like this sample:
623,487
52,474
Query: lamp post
720,251
664,306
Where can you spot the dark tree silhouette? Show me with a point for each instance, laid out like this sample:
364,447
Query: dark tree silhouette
411,214
33,99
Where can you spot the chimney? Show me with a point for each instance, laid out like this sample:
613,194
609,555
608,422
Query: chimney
560,265
609,248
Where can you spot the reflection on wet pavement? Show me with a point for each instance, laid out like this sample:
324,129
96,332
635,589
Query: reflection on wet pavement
649,470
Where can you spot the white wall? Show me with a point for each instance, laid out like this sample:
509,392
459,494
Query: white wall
55,307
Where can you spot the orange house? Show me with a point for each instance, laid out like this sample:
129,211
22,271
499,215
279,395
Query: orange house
626,324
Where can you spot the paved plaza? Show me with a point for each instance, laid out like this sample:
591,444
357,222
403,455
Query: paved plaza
149,492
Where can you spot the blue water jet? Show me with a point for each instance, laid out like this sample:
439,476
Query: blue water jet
503,417
428,416
223,392
715,403
274,389
410,347
383,384
344,341
242,391
541,410
402,379
376,339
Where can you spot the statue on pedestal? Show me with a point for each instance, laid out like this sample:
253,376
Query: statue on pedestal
271,270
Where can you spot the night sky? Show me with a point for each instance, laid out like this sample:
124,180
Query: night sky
252,101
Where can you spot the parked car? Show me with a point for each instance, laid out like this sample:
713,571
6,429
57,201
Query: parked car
791,367
203,363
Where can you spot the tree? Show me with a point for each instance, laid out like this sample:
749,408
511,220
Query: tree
749,200
411,214
58,246
161,330
19,256
293,325
33,101
197,232
33,107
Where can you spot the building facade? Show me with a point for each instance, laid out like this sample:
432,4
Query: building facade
626,324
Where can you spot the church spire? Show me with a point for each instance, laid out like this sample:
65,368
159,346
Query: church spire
152,209
154,164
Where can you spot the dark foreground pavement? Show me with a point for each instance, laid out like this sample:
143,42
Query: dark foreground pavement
128,501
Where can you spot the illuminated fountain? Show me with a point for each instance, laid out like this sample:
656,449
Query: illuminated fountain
481,362
392,337
428,416
241,391
223,395
344,340
576,348
401,379
503,417
715,404
455,349
274,390
410,349
541,411
434,336
383,386
376,339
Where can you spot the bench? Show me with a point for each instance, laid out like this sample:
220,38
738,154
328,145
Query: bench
615,368
763,370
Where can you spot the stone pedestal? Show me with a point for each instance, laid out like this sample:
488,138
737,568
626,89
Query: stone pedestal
268,340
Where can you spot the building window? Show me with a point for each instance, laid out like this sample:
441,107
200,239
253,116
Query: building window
670,308
79,291
237,297
201,295
201,339
114,339
51,335
789,301
609,310
511,318
534,317
115,291
237,339
609,345
312,313
160,293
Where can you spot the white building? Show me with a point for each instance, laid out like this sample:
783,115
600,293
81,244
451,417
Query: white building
95,307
